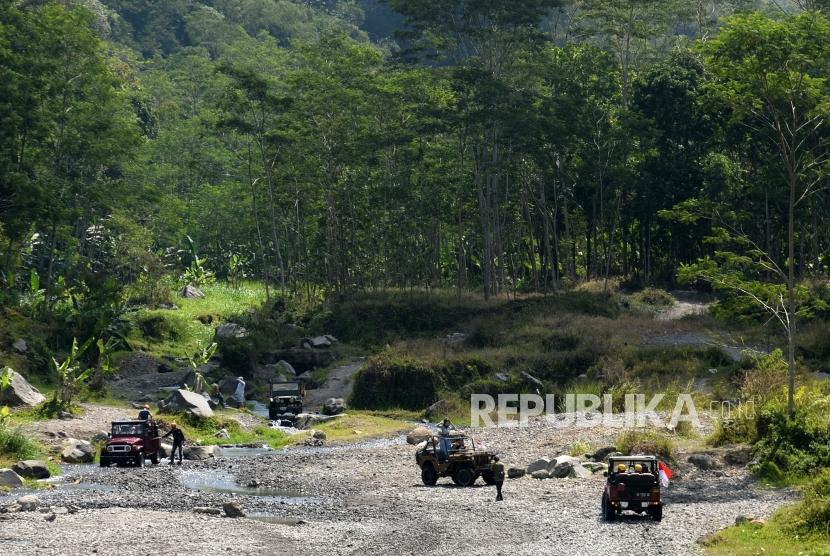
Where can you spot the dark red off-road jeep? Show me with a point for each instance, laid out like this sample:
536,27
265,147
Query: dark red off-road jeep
132,443
634,485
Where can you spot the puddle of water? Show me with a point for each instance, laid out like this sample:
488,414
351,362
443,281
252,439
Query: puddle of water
244,451
222,483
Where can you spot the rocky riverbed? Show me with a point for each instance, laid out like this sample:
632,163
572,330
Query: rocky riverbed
368,499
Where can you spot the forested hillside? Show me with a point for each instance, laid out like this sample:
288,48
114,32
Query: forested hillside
513,146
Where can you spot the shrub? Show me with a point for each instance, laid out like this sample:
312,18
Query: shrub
815,509
654,297
580,448
389,382
15,445
645,442
768,472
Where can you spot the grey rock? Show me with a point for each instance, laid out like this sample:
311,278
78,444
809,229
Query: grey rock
31,469
191,292
101,436
28,503
20,392
233,509
165,449
186,401
539,465
49,517
515,473
230,330
207,511
20,345
308,420
319,435
703,461
10,479
285,367
501,377
199,453
418,435
334,406
595,467
563,467
540,474
223,433
579,472
77,451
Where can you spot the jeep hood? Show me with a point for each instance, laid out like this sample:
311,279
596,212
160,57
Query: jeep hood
131,440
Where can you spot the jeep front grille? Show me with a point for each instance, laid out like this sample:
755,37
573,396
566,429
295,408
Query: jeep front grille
118,448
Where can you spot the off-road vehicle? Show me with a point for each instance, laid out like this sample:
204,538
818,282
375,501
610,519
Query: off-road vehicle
285,402
454,456
633,484
131,443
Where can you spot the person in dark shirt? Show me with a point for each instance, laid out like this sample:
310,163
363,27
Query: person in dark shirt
144,414
178,442
498,476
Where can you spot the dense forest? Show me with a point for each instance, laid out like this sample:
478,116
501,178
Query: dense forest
353,145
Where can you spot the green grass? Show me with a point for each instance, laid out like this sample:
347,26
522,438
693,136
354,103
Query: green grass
203,431
181,332
777,537
15,446
362,425
646,442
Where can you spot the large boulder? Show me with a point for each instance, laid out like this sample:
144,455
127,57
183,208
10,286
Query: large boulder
165,449
284,367
302,360
20,345
334,406
229,387
703,461
515,473
540,474
595,467
233,509
191,292
20,392
318,342
31,469
10,479
533,380
564,466
538,465
77,451
28,503
418,435
200,453
188,402
230,330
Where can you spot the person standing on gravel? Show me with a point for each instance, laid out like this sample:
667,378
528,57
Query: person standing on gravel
497,469
178,442
144,414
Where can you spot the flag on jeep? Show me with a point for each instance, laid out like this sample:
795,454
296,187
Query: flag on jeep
665,474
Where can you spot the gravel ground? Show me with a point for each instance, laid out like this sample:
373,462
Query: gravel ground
368,499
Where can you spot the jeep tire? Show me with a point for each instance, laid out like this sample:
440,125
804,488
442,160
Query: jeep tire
155,458
464,476
104,462
657,513
608,513
139,459
428,474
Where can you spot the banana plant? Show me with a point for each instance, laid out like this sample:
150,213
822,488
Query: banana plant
71,373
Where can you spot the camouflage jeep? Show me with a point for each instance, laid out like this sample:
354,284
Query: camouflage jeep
454,456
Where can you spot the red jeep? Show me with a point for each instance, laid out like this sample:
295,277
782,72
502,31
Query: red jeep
633,485
131,443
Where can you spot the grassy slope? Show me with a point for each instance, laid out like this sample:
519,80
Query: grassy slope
777,537
181,331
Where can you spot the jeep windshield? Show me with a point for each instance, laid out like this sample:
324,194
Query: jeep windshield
127,429
288,389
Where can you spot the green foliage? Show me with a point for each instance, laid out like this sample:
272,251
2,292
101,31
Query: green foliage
645,442
388,382
815,509
72,375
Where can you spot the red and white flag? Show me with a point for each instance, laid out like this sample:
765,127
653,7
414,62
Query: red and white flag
664,475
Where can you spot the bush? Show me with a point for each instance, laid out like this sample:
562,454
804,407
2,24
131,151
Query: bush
815,509
388,382
645,442
654,297
15,445
768,472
